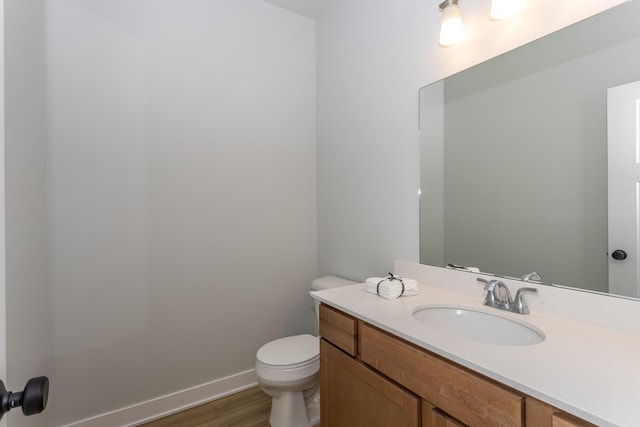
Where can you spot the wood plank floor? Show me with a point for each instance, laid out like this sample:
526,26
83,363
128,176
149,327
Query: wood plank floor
249,408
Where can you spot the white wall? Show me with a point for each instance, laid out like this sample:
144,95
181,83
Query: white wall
368,75
27,288
373,56
181,190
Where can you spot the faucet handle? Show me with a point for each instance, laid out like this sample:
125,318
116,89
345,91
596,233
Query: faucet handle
520,305
488,283
489,286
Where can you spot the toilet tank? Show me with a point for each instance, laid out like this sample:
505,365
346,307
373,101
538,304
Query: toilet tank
327,282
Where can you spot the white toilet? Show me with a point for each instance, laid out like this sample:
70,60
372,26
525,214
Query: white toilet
288,371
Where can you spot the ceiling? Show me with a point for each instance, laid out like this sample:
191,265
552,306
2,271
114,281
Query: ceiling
308,8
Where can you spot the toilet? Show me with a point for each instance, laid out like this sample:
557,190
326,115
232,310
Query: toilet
287,369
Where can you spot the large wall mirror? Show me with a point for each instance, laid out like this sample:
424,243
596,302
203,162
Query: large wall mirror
514,167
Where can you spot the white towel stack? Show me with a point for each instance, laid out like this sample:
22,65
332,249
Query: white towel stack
391,287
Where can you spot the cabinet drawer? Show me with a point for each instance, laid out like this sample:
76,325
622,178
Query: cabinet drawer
468,397
339,328
540,414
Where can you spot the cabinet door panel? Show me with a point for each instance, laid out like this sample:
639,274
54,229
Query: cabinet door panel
438,419
354,395
433,417
468,397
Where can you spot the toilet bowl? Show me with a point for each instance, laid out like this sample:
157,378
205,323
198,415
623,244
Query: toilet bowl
287,369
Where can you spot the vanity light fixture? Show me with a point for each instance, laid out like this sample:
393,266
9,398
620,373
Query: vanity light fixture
451,27
504,8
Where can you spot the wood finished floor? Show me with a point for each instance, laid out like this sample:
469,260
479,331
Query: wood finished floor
249,408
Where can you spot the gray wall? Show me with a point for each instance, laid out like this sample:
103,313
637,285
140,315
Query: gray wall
432,219
526,179
181,191
27,288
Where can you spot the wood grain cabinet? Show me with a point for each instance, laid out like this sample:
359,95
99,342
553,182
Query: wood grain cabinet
542,414
460,393
354,395
370,378
339,328
434,417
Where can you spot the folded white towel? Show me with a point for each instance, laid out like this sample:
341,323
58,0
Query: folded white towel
391,287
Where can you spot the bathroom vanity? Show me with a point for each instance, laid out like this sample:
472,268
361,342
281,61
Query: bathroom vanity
370,377
380,366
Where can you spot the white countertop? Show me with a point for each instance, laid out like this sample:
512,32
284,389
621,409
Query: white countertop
589,371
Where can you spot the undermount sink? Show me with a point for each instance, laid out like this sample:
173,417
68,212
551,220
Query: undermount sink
479,325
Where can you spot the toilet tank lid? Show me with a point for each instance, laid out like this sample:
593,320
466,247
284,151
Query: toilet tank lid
328,282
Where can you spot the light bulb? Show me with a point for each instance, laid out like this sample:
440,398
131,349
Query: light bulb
451,28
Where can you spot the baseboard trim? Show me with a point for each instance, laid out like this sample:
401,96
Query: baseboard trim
171,403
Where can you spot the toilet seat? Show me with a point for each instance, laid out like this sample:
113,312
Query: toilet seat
290,352
289,359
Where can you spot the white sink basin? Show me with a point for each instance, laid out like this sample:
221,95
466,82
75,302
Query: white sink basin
479,325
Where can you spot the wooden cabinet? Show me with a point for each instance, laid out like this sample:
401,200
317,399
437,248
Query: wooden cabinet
371,378
544,415
466,396
338,328
434,417
354,395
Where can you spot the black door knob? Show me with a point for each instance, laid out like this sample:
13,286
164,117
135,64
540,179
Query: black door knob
33,399
619,254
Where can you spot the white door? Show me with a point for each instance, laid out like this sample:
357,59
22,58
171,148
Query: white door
3,329
623,123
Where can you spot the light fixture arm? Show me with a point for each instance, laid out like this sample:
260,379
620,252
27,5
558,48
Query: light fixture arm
446,3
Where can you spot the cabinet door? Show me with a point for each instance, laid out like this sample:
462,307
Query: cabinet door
439,419
434,417
353,395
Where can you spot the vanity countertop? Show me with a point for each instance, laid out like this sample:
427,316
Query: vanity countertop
590,371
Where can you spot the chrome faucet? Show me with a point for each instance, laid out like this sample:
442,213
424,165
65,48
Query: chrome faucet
498,296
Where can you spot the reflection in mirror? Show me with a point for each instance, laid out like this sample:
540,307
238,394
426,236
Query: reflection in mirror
514,158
